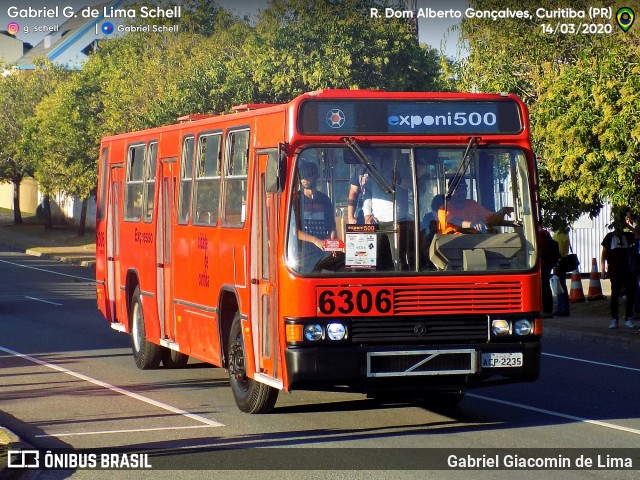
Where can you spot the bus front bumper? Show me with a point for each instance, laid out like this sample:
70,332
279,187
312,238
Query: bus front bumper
444,367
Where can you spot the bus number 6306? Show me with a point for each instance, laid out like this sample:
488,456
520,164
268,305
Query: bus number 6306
354,301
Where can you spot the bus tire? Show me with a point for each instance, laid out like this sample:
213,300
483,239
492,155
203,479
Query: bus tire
250,396
147,355
173,359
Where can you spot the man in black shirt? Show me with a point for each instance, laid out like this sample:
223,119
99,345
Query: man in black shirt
616,250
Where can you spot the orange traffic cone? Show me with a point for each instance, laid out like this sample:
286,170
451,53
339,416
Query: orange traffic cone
595,289
576,294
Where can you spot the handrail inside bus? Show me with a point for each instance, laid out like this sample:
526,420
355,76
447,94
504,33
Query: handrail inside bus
472,146
362,156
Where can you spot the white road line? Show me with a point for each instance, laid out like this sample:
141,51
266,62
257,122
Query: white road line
135,430
558,414
113,388
92,280
43,301
613,365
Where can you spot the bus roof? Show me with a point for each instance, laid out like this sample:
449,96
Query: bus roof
347,98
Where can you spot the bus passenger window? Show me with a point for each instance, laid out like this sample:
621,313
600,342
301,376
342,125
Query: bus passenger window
134,183
235,178
186,177
207,184
150,180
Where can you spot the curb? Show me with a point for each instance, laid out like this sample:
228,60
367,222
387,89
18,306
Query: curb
58,258
630,341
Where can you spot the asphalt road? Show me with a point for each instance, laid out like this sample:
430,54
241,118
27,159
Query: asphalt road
68,381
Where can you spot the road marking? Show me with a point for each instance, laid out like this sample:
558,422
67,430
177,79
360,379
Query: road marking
613,365
557,414
113,388
92,280
43,301
136,430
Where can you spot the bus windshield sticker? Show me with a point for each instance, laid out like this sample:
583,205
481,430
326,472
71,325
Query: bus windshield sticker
361,250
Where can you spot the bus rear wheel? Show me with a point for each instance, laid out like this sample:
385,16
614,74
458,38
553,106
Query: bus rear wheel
250,396
147,355
173,359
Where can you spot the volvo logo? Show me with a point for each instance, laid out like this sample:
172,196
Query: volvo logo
420,329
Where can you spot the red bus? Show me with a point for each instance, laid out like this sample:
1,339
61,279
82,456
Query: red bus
229,239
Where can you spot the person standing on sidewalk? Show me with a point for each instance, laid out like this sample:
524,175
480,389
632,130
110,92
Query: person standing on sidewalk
634,261
549,256
616,253
561,236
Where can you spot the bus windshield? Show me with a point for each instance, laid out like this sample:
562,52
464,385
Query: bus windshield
410,210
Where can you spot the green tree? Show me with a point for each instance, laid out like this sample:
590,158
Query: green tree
64,137
582,91
20,92
303,45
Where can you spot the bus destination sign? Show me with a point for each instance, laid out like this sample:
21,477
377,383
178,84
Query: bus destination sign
396,117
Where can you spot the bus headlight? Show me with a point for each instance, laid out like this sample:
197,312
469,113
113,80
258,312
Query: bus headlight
313,332
523,327
500,328
336,331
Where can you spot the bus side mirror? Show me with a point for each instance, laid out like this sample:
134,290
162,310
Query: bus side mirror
277,170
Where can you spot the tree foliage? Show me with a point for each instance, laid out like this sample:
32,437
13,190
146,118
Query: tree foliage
20,93
303,45
583,94
217,60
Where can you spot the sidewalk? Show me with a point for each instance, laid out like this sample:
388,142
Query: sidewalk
588,322
62,243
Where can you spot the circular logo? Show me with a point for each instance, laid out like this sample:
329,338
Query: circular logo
13,28
107,28
420,329
335,118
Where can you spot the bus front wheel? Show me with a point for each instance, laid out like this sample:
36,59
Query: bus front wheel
250,396
147,355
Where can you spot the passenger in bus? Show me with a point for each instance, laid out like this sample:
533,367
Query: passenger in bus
465,213
429,222
316,219
378,207
358,192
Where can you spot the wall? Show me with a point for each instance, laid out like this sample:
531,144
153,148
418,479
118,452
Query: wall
28,195
586,235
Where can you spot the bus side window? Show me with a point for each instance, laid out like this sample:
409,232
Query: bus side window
150,180
102,186
207,185
134,183
235,178
186,177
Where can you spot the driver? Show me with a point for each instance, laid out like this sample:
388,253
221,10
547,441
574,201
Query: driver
463,213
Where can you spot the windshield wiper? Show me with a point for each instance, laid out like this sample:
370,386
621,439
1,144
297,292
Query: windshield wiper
472,146
362,157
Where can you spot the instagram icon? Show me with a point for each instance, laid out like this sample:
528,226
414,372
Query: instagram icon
13,28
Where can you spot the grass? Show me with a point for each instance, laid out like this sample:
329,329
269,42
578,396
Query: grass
61,240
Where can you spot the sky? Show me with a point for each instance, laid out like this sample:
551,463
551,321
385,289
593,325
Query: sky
431,31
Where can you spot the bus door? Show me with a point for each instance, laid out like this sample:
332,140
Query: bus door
113,246
164,230
264,248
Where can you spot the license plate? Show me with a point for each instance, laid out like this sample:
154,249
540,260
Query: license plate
502,360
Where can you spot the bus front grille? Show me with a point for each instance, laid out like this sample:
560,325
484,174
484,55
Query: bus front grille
421,362
463,297
416,330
